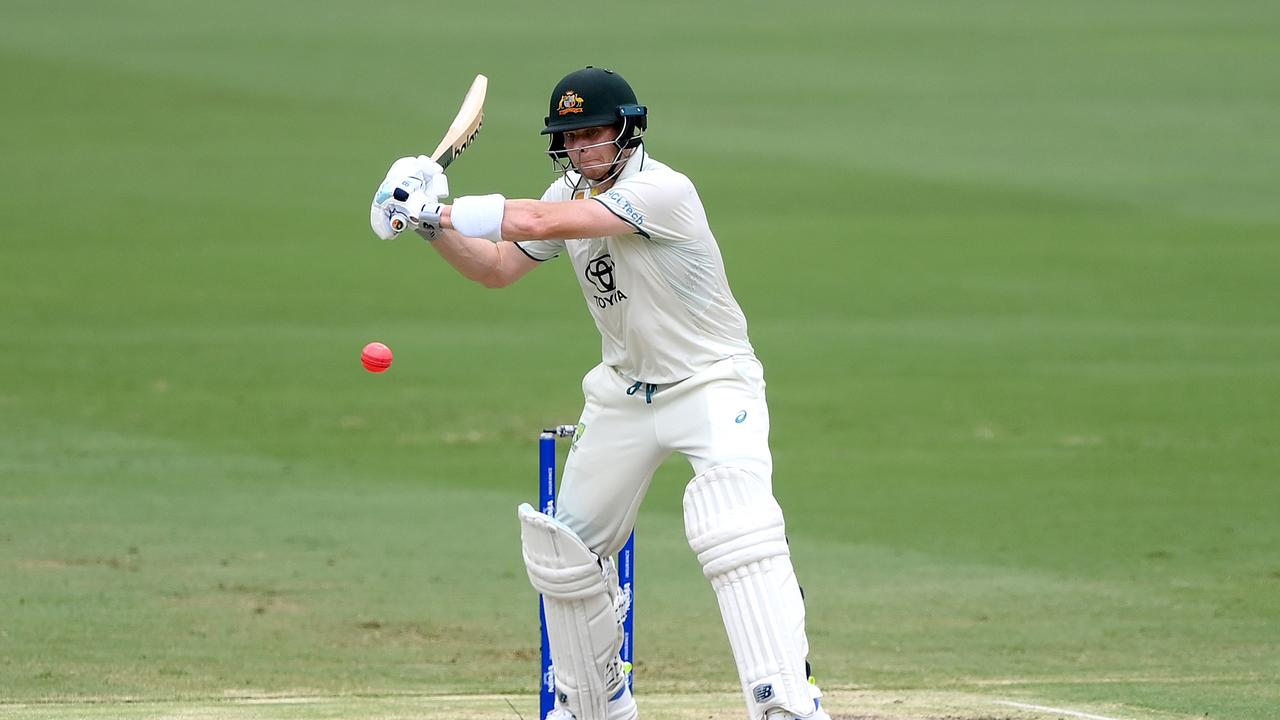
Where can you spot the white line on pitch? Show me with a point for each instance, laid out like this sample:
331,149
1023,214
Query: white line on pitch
1062,711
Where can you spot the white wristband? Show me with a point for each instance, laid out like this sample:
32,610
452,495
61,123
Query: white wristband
479,216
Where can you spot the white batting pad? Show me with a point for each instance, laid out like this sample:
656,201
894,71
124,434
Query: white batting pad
736,528
582,618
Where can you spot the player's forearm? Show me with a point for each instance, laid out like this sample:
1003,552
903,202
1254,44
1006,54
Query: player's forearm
476,259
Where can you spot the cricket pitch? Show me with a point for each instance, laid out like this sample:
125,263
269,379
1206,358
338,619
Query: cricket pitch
842,704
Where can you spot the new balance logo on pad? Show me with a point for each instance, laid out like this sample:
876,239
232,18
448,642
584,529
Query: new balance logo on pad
763,693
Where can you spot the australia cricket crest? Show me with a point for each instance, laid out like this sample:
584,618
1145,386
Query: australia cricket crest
571,102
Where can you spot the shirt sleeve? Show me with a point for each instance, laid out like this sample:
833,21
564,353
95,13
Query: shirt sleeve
541,250
659,205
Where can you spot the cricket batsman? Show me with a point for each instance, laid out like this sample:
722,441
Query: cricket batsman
677,375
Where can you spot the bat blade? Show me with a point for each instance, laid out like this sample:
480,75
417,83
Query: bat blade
465,127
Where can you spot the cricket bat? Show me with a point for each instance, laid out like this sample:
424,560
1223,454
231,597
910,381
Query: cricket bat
462,132
465,127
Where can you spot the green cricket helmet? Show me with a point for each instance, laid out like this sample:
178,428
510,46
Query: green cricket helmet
592,97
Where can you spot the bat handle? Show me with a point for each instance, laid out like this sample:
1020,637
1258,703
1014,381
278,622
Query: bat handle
399,221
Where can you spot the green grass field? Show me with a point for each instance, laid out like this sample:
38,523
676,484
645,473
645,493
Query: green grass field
1012,269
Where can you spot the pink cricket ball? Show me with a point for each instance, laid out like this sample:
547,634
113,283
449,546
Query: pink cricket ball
376,357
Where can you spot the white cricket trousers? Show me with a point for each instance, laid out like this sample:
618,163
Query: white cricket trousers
717,417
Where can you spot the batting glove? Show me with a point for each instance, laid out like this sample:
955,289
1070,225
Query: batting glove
421,167
418,209
408,200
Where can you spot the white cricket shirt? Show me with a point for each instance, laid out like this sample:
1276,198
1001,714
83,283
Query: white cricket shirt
659,296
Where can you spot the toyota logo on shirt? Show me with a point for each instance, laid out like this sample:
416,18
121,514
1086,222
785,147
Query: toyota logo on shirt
600,273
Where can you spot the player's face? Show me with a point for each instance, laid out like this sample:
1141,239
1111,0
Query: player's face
592,150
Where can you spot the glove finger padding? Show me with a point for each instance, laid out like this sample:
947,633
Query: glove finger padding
380,221
428,168
438,186
421,167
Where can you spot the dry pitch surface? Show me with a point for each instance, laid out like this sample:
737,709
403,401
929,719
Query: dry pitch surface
843,705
